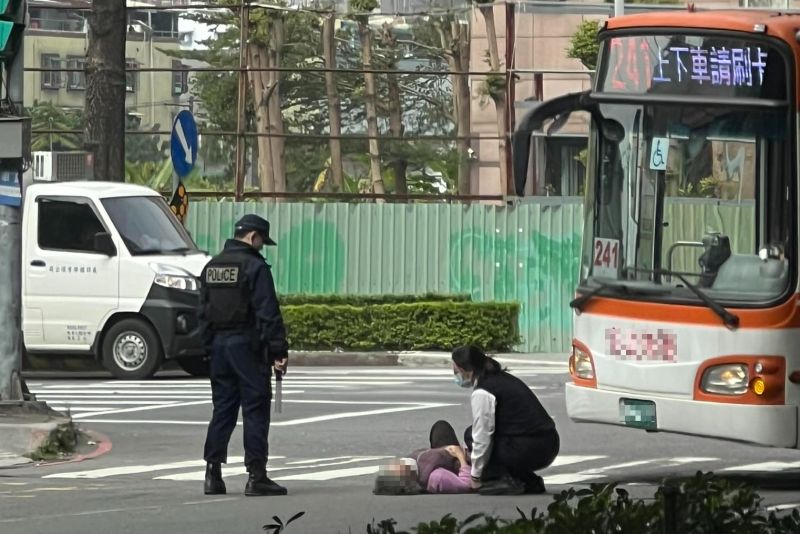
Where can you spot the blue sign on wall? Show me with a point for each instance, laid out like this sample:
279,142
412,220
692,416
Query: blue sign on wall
183,143
10,192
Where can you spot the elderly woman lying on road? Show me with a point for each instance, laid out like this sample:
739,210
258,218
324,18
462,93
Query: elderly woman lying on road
442,468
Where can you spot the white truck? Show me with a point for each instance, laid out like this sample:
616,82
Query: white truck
109,271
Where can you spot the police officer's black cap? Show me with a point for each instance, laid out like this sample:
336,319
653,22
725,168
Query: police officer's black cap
257,224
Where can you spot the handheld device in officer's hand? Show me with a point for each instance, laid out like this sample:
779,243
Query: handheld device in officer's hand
278,391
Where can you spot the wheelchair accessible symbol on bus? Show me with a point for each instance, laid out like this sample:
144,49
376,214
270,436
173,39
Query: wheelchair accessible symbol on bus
659,150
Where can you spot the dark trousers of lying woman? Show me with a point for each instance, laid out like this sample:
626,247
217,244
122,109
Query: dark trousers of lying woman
519,456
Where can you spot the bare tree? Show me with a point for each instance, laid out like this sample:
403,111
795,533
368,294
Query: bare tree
395,111
104,132
454,37
264,48
362,7
334,103
494,86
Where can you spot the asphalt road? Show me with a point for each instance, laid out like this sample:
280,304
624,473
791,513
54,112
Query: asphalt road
337,426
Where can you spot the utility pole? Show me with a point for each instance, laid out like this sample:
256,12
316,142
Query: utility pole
15,155
106,89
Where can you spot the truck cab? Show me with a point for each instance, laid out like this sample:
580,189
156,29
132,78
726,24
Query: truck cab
109,271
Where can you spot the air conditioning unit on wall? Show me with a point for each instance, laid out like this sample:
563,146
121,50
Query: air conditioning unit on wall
62,166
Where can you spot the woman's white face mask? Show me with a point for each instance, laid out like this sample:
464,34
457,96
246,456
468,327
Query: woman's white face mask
461,380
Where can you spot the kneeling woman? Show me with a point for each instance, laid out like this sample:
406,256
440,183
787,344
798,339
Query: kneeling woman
512,435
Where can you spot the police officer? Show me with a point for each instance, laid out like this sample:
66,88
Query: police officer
244,333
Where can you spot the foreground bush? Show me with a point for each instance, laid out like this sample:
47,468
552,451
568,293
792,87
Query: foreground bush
702,505
405,326
364,300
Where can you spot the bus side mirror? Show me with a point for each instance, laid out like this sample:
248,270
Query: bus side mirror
104,244
558,109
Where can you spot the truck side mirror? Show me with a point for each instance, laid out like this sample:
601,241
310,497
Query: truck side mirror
104,244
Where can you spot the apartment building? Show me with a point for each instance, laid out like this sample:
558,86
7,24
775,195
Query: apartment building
58,38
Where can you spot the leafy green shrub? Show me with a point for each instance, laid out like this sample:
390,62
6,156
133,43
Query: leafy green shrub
363,300
704,504
404,326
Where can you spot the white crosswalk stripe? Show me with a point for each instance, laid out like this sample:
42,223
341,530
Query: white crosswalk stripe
590,469
88,400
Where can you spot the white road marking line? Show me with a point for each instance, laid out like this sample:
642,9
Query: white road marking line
781,507
241,470
764,466
131,469
346,415
566,459
141,408
333,474
65,407
683,460
206,501
148,422
108,401
568,478
606,468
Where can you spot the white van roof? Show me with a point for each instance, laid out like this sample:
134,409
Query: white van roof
90,189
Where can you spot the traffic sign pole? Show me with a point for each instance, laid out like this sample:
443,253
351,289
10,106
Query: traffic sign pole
14,153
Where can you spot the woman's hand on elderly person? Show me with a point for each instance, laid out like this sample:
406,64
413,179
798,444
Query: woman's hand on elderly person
457,453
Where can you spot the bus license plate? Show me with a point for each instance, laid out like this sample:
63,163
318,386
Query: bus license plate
638,413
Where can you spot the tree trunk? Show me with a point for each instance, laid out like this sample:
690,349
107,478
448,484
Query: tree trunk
455,43
277,144
399,163
334,103
370,96
104,133
501,106
269,118
257,57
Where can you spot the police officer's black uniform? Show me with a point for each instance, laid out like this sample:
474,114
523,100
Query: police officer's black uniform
244,333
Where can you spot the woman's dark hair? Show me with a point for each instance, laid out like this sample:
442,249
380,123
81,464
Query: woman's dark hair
471,358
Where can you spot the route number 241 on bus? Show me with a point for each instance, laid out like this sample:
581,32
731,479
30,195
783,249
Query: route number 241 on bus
606,258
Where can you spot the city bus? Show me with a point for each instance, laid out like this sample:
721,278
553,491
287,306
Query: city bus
685,318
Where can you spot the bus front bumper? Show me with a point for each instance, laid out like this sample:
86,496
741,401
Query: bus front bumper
769,425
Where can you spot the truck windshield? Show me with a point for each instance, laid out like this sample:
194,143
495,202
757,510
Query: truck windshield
147,226
683,186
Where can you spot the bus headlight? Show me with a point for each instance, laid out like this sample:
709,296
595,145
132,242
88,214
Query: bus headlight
728,379
581,364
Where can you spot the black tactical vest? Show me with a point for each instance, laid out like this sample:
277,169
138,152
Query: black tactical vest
227,305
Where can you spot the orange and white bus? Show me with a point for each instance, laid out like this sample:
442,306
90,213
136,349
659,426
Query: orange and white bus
686,315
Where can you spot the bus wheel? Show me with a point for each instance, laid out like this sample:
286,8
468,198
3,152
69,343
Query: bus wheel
197,366
131,350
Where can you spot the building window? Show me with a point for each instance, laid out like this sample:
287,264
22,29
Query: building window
180,79
51,79
131,77
76,79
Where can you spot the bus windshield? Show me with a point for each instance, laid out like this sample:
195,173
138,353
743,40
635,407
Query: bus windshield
687,190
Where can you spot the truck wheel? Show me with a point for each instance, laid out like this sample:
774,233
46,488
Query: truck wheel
197,367
131,350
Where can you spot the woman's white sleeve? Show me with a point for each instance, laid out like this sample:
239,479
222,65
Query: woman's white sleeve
483,406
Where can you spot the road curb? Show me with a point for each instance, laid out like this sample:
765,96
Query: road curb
103,446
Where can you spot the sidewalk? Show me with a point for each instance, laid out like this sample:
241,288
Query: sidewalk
26,428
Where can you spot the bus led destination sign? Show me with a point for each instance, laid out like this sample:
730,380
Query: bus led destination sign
688,64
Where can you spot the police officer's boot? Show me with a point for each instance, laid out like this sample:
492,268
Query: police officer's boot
258,484
214,484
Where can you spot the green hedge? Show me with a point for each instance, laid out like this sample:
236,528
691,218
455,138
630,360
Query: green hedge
364,300
407,326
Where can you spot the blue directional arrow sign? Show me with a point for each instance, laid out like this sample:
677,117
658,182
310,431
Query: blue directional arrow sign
183,143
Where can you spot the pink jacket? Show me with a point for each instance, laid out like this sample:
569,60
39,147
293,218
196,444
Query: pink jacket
445,481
